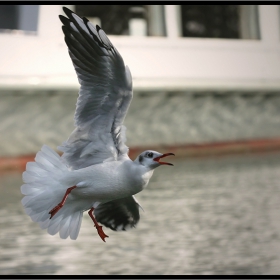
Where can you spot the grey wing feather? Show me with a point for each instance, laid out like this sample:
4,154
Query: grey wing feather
104,96
119,214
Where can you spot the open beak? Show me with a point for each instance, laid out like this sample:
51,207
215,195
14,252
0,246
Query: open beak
164,155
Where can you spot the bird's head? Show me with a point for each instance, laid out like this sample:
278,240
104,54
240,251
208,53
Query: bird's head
151,159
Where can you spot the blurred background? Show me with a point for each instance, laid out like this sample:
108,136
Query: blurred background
206,83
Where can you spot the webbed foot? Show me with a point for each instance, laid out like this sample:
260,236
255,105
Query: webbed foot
101,233
55,210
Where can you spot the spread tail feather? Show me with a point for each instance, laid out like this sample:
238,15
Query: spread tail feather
43,190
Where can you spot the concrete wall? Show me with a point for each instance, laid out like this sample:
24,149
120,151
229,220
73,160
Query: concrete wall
31,119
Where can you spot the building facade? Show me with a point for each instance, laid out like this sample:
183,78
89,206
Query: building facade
201,73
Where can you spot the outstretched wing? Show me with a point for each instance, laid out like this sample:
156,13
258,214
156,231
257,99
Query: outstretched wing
104,97
119,214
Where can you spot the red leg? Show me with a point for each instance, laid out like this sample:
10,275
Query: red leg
98,227
60,205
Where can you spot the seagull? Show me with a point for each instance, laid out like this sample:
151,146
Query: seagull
94,173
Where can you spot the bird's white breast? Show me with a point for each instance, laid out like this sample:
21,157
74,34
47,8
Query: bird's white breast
109,180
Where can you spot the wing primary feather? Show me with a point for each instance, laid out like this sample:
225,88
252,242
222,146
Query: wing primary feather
104,96
79,24
75,49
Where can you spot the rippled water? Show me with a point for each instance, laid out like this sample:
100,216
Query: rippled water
202,216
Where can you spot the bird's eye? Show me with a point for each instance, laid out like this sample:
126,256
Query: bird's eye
150,155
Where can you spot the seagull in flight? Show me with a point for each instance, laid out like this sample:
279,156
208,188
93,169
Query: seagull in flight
94,173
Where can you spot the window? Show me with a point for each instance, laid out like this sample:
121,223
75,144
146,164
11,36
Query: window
19,17
134,20
220,21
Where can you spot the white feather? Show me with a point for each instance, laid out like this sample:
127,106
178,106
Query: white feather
64,230
43,191
75,226
47,150
55,225
45,223
27,189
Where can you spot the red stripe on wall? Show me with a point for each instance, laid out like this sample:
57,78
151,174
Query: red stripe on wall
188,150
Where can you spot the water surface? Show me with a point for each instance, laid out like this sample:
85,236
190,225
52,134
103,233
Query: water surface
202,216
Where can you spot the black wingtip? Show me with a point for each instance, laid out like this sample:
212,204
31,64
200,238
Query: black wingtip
67,11
98,27
64,20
